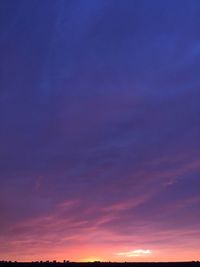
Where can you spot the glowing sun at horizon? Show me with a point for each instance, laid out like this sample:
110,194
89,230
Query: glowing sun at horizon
91,259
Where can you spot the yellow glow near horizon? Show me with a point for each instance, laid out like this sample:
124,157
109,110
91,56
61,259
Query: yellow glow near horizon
91,259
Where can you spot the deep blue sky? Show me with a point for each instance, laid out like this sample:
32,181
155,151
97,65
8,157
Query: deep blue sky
100,129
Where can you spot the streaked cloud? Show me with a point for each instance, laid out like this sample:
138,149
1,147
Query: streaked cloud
99,129
135,253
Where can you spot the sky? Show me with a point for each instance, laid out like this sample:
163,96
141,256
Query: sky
99,130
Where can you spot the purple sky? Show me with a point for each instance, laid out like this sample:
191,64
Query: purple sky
100,129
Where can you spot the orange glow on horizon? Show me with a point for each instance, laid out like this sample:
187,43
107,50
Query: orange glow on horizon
91,259
106,254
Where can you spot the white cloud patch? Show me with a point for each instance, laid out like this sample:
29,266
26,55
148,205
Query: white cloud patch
135,253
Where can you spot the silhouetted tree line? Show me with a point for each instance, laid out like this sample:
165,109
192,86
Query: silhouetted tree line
97,264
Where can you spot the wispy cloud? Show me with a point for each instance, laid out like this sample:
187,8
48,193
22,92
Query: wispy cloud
135,253
99,128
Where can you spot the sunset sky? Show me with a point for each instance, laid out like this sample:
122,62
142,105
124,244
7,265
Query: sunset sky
100,130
